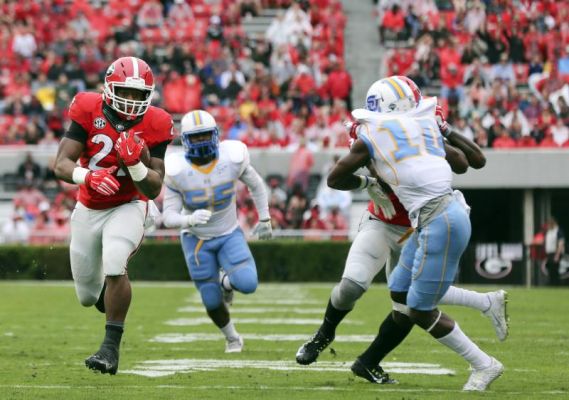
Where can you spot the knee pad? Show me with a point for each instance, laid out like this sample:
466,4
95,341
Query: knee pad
244,279
345,294
88,293
210,293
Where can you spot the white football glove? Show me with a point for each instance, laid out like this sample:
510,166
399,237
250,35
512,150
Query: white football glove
263,230
199,217
381,200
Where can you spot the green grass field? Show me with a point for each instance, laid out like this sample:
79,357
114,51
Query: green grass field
171,351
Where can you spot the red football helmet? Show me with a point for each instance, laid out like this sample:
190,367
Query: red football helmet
130,73
414,88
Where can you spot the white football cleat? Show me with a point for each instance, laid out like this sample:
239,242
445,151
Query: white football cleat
234,345
480,379
498,313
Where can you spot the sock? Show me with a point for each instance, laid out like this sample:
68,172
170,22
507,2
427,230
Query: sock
456,340
390,335
467,298
229,331
332,318
113,333
225,283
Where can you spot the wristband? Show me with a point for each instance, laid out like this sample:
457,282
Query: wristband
79,175
138,171
364,181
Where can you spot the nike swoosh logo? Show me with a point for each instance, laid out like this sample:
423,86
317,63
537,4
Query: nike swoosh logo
128,151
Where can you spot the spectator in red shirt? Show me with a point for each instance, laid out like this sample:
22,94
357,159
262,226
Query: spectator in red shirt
451,80
339,83
503,139
301,163
314,221
392,24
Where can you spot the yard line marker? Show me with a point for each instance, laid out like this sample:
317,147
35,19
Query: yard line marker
205,337
159,368
364,387
259,310
264,321
268,301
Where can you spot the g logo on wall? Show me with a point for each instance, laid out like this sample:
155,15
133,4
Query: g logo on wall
493,268
494,261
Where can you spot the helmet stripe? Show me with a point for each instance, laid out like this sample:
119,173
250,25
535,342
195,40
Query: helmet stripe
397,87
197,117
135,67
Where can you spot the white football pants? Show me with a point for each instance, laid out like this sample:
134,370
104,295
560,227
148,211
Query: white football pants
102,241
374,246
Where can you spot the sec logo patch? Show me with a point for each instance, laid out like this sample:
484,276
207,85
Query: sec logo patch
99,123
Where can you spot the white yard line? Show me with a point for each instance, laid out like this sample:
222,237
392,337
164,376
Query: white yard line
356,388
159,368
264,321
209,337
260,310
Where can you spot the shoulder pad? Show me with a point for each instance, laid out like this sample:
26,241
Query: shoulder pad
174,164
236,151
81,107
161,123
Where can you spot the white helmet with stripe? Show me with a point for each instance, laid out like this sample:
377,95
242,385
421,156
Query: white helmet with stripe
200,135
393,94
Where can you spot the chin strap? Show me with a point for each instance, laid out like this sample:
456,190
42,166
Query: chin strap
116,121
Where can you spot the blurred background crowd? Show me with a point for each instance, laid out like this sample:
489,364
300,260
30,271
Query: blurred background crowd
499,67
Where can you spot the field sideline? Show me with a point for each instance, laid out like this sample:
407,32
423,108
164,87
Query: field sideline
171,351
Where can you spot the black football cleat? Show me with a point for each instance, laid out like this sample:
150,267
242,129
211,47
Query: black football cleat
105,360
309,351
374,374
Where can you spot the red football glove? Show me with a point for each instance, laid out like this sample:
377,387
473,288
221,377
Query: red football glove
441,121
129,148
352,128
102,181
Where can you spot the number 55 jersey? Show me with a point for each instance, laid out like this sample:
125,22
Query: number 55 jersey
408,152
210,187
98,128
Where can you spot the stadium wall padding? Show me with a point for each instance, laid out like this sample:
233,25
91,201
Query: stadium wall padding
277,260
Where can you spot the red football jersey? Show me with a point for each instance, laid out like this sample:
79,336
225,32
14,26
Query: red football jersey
400,218
86,109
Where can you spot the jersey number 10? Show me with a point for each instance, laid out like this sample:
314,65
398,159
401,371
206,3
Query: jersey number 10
406,147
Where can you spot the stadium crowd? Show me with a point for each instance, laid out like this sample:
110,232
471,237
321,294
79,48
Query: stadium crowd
502,66
273,90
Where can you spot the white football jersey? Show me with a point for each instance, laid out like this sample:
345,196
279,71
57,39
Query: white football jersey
408,152
210,187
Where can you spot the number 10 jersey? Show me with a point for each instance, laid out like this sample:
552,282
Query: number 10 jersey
409,155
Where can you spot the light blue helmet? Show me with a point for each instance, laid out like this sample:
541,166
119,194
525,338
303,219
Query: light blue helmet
194,124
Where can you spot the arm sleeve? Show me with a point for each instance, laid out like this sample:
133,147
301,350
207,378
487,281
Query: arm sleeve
258,191
76,132
159,151
172,209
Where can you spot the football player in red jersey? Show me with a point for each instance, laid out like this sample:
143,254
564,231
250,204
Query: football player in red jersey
383,229
114,150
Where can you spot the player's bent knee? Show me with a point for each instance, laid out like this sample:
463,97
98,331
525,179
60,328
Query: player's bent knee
345,294
87,298
244,280
399,297
210,293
